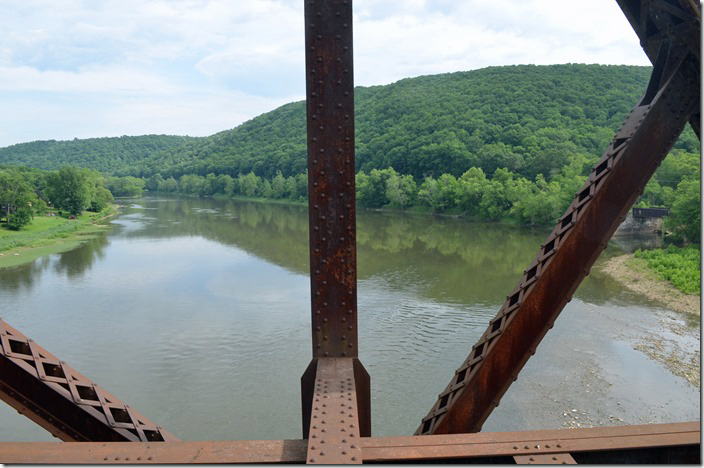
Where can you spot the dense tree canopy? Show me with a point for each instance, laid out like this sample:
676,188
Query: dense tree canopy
108,155
501,142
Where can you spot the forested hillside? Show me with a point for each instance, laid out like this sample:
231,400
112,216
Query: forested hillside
510,142
117,155
528,119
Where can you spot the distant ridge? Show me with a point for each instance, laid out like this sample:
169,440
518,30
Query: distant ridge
529,119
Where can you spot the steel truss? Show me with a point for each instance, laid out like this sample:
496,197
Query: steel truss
617,180
335,389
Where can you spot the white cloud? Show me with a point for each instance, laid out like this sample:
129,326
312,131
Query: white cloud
200,66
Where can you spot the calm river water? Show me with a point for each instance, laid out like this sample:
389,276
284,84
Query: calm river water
196,312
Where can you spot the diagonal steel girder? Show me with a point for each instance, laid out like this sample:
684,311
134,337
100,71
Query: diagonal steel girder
62,400
648,133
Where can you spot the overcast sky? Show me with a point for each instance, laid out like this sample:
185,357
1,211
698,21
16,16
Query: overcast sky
94,68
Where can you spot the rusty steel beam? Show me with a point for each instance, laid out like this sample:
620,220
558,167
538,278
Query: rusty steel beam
640,145
138,453
408,449
537,443
655,21
334,437
545,459
331,190
62,400
331,197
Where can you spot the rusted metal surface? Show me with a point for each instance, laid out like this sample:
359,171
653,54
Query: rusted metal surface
62,400
331,189
334,436
655,21
331,198
374,449
335,387
137,453
545,459
531,443
571,249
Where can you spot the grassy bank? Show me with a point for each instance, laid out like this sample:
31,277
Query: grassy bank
50,234
642,275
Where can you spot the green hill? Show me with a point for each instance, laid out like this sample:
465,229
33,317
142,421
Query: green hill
529,119
117,155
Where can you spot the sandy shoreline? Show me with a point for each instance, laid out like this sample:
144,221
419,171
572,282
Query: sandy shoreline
633,274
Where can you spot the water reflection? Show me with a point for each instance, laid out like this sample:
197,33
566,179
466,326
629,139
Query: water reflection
458,261
73,264
200,311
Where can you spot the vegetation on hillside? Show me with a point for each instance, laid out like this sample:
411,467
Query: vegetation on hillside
116,155
499,143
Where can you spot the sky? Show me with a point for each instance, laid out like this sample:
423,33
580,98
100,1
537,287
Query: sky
95,68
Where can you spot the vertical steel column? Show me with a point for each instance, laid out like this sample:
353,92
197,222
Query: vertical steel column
331,193
331,196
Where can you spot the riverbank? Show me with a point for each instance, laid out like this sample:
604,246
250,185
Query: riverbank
50,234
669,348
634,274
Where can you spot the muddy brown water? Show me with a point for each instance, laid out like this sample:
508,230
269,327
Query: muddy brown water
196,312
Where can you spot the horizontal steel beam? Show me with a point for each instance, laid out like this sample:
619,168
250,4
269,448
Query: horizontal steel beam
544,443
62,400
530,443
178,452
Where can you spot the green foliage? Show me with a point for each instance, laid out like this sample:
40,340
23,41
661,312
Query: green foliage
126,186
21,217
117,156
528,119
679,266
69,189
511,142
685,213
16,197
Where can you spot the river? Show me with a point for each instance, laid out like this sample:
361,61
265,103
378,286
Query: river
196,312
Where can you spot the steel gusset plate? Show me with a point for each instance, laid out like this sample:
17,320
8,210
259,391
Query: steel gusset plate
62,400
677,21
580,235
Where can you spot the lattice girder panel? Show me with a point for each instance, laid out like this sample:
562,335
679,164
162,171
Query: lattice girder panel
62,400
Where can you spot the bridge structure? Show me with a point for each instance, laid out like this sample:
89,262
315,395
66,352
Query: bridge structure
97,427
